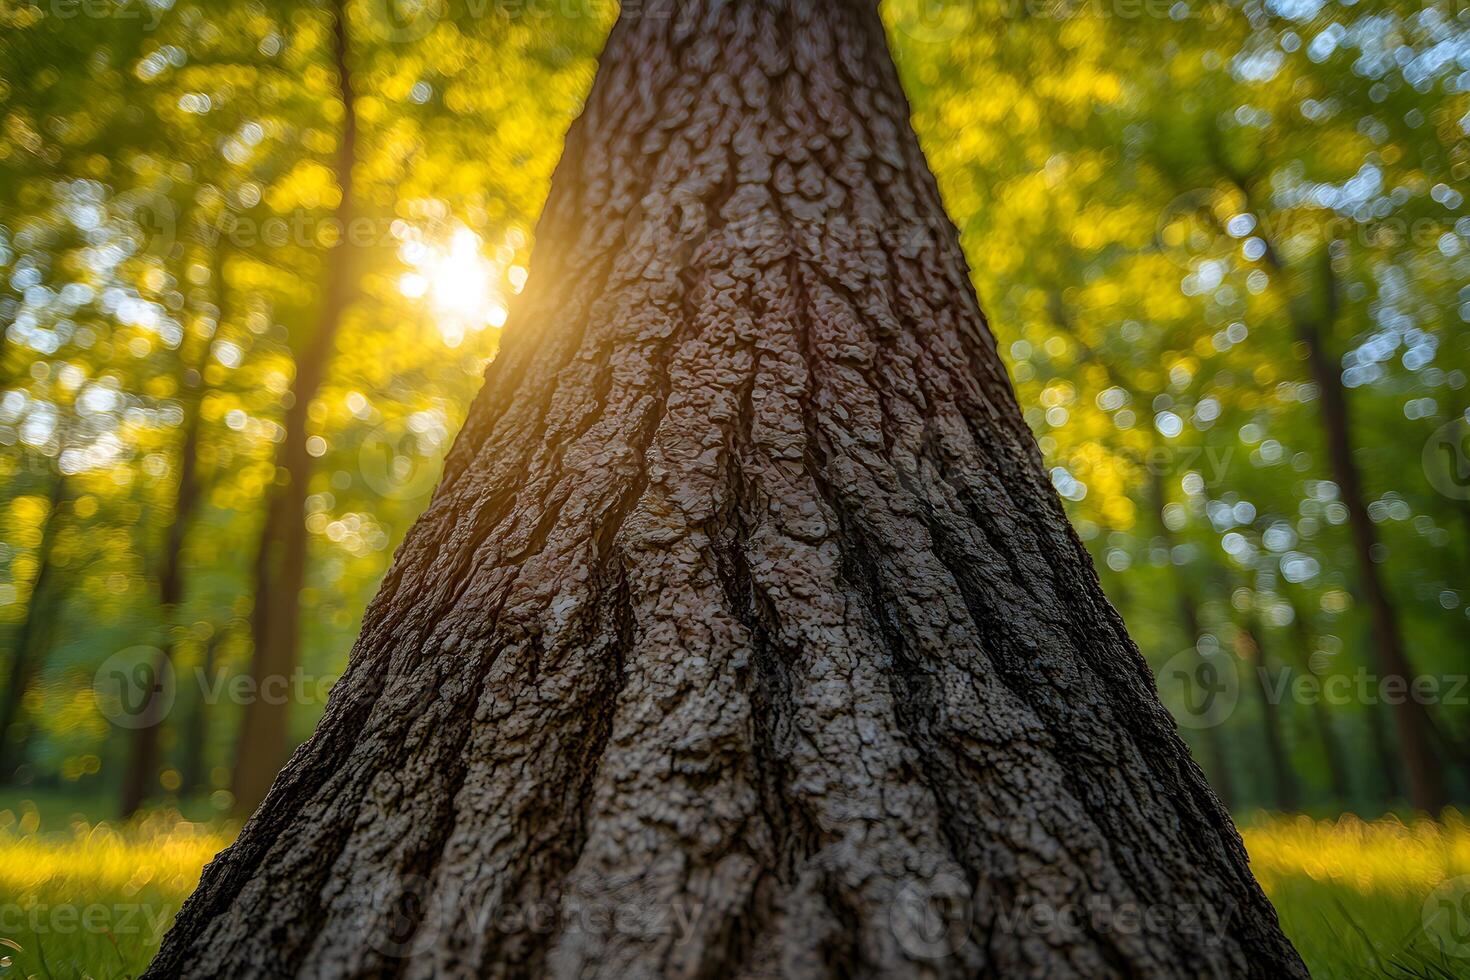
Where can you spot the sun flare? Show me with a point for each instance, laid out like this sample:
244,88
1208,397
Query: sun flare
462,287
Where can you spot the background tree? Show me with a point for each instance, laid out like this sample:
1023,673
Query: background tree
281,563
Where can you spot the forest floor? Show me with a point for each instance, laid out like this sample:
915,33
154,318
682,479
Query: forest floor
1360,899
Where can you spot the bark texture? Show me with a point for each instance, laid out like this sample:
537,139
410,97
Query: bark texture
745,635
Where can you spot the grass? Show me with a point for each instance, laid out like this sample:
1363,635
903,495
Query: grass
82,899
1362,899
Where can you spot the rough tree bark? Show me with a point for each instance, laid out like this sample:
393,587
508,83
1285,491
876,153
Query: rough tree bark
280,567
745,634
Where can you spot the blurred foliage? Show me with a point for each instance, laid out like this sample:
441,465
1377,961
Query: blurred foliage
1148,202
1151,196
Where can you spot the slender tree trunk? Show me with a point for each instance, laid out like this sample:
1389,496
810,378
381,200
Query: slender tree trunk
1426,782
1278,759
1337,769
141,775
1312,324
1221,774
1385,749
29,643
281,564
196,728
745,634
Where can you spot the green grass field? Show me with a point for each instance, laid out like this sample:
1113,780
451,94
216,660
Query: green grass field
82,899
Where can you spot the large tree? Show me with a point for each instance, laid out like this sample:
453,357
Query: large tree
745,634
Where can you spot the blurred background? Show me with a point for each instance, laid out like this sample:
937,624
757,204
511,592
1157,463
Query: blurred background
254,258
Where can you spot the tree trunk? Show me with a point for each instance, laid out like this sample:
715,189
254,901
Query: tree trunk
1332,751
29,644
1377,715
1412,721
745,634
1426,782
1278,759
1221,775
192,775
280,568
141,775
